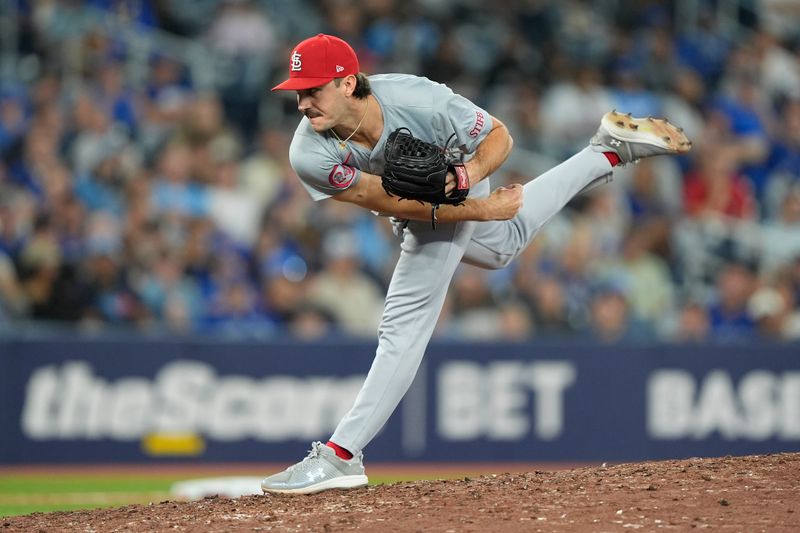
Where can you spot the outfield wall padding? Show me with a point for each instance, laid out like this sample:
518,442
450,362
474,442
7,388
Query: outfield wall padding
79,401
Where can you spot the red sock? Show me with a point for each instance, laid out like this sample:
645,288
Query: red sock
341,453
612,158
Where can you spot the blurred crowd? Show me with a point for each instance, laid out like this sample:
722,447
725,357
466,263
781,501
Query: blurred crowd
162,205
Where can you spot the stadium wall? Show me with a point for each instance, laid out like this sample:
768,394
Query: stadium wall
69,400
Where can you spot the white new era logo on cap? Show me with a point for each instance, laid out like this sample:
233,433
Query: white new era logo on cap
339,68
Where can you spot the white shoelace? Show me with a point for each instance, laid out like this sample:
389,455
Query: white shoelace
312,453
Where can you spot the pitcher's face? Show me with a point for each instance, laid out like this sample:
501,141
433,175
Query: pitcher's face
324,106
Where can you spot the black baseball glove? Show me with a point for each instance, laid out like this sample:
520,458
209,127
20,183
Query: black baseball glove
417,170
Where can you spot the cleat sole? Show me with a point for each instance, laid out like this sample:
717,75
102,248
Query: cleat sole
652,131
341,482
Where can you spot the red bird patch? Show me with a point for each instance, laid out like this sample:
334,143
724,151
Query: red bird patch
342,176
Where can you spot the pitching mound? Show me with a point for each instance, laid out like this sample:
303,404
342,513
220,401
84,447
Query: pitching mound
756,493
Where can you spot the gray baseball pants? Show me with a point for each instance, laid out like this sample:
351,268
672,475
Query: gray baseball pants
428,260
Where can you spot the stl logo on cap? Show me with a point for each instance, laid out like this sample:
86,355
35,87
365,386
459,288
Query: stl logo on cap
296,63
318,60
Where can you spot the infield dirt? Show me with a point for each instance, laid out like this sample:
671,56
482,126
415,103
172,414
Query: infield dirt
748,494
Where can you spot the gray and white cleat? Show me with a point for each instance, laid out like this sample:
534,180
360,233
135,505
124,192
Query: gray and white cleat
633,138
321,470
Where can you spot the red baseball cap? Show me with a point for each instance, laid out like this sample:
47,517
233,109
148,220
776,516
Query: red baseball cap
318,60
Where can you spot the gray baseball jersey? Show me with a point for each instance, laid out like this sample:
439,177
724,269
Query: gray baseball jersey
430,110
428,257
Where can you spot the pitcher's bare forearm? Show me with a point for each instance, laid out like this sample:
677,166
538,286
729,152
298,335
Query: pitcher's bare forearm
369,194
491,153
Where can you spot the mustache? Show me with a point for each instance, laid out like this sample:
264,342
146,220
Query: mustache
312,114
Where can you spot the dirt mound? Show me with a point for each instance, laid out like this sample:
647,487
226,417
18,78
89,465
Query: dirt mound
754,493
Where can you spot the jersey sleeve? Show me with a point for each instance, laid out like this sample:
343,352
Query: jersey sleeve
322,174
456,114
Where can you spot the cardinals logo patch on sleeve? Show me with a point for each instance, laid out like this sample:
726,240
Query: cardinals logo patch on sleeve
342,176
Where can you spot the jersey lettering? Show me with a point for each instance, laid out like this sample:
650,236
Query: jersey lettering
480,121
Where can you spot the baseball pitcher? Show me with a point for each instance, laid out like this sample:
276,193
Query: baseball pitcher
409,148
